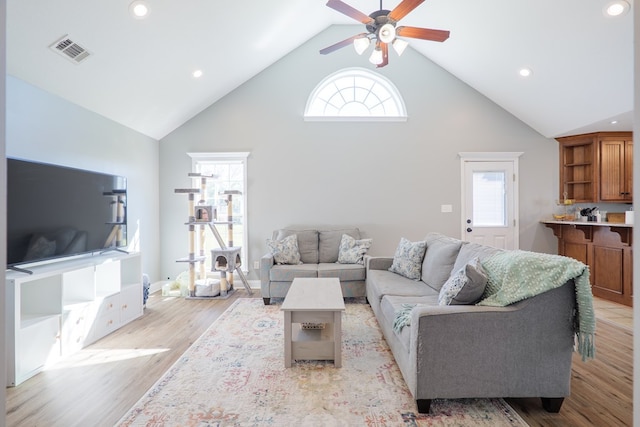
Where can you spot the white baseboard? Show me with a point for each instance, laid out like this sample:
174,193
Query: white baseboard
157,286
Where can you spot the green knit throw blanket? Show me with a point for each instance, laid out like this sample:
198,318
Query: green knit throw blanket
517,275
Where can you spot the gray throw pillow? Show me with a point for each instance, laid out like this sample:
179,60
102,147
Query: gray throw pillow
465,286
285,251
407,261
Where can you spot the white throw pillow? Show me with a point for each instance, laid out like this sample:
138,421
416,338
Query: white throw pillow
352,251
285,251
407,260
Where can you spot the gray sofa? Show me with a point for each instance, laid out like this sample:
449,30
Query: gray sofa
466,351
319,255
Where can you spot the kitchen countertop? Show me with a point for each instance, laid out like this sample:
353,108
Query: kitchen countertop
588,223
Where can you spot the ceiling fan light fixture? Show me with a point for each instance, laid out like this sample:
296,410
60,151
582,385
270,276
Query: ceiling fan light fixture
361,44
376,56
387,33
399,46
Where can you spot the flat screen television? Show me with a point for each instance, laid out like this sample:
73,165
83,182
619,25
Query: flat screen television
55,211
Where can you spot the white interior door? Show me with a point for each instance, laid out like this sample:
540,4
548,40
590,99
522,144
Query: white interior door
489,198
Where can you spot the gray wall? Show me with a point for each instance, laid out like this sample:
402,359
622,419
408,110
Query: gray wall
46,128
389,179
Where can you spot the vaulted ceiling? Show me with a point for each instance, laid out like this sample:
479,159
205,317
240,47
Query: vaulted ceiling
139,71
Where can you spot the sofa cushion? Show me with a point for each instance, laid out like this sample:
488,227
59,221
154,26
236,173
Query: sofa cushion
471,250
407,260
465,286
286,273
383,282
439,259
307,243
390,305
352,251
345,272
329,243
285,251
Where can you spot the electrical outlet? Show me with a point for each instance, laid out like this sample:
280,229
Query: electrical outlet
256,265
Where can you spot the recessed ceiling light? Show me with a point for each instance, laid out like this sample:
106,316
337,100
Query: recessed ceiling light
139,9
616,8
614,122
197,74
525,72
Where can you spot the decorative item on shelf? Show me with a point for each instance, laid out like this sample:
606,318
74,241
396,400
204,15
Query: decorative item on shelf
310,325
568,213
616,217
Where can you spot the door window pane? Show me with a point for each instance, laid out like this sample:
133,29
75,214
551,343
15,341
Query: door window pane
489,199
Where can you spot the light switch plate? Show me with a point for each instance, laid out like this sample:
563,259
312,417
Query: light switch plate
446,208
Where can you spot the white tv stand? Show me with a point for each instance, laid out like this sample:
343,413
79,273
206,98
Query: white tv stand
64,306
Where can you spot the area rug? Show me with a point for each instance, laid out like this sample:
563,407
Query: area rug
234,375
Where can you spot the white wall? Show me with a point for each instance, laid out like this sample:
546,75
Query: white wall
389,179
44,127
3,208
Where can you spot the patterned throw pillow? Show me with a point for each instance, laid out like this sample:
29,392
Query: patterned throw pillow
352,251
285,251
407,260
465,286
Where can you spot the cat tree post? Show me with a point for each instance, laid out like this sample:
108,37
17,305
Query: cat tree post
203,221
191,258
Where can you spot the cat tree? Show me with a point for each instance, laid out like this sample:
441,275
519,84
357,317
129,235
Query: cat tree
226,259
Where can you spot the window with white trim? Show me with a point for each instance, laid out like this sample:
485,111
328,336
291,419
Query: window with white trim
355,94
229,172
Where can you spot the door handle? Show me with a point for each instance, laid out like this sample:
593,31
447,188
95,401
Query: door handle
469,230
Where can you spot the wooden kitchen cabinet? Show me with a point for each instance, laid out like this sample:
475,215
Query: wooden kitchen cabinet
616,168
578,168
597,167
608,251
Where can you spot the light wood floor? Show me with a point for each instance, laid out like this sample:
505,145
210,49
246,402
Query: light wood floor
99,384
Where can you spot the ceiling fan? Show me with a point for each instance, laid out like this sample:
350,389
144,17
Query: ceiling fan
381,27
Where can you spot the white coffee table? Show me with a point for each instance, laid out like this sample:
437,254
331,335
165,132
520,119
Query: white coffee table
315,301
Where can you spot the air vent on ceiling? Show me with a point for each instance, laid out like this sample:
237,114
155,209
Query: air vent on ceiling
70,50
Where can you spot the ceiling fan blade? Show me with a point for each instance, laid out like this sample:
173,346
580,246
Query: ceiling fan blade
342,44
350,11
385,54
404,8
423,33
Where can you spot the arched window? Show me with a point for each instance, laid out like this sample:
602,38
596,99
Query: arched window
355,94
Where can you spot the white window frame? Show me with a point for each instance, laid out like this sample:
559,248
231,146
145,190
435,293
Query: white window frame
375,79
240,156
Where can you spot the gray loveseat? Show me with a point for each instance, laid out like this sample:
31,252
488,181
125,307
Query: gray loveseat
466,351
319,250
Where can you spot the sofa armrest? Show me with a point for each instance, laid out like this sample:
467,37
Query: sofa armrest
377,262
488,348
266,262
